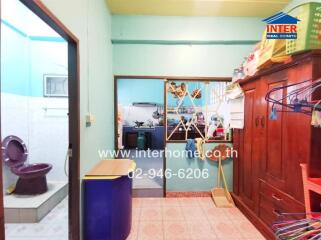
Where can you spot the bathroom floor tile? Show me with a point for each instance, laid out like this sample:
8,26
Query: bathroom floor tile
53,227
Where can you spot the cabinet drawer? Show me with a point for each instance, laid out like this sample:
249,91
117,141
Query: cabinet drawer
267,211
280,201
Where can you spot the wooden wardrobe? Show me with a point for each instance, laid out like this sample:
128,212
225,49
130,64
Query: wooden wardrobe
267,173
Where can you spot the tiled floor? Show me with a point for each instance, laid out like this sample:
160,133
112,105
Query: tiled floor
154,219
53,227
188,219
29,209
146,163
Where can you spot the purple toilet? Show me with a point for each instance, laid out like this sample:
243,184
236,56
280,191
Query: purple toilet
32,177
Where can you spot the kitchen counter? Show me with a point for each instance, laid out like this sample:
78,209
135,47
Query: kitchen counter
157,135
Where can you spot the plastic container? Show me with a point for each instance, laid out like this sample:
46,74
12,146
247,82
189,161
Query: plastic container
271,51
107,200
251,63
141,141
308,29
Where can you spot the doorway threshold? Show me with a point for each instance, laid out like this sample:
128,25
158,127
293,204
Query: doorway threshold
148,192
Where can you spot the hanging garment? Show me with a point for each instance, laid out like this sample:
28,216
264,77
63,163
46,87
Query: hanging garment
190,148
316,116
211,130
233,91
237,113
200,148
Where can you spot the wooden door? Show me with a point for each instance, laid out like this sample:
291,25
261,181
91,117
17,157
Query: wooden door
248,157
298,139
273,162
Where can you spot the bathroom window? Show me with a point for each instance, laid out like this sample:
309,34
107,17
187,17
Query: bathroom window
55,85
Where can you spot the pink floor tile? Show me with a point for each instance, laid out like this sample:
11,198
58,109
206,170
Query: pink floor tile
169,202
172,213
137,202
226,230
201,231
151,214
176,230
151,202
215,214
235,215
247,230
136,213
206,201
152,230
134,231
188,201
194,213
188,219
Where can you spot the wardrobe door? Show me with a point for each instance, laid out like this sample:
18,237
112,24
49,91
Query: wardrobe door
298,135
273,162
247,162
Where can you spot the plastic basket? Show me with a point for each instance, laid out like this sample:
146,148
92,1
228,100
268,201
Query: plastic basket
271,51
308,29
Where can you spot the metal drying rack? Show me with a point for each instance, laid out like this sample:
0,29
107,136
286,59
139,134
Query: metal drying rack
297,100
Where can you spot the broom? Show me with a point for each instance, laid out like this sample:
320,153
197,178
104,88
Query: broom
221,196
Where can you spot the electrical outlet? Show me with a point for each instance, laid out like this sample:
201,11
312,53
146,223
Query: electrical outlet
90,118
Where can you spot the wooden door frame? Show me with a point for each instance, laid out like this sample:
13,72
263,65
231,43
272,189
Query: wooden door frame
37,7
116,78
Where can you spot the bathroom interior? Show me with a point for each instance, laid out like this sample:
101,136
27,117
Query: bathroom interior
34,119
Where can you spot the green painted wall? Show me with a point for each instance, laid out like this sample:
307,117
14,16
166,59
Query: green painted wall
96,78
178,60
186,28
184,46
177,184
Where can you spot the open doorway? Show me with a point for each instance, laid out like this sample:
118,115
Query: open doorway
40,146
140,131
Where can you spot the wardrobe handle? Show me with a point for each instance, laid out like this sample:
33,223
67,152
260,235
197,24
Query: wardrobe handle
257,121
262,121
276,198
277,213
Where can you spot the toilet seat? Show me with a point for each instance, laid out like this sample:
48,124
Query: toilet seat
14,151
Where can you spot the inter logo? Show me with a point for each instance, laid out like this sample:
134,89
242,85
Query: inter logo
281,26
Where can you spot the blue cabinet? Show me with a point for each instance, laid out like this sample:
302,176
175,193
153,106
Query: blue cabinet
156,135
107,206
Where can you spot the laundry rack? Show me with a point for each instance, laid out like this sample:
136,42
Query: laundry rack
291,227
296,100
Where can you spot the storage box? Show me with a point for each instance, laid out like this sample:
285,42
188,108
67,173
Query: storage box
251,63
308,29
271,51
